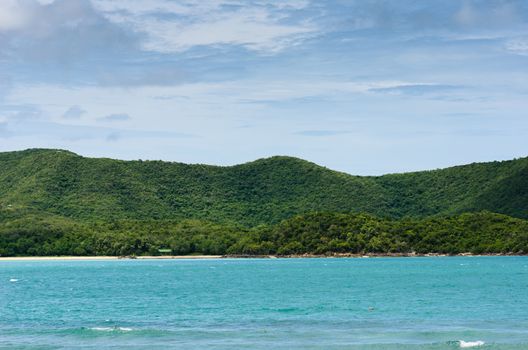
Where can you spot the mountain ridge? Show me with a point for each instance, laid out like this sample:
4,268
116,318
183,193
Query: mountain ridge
258,160
264,191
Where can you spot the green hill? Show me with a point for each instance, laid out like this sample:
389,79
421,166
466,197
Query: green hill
55,202
266,191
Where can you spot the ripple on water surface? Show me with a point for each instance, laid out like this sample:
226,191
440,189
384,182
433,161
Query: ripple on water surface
372,304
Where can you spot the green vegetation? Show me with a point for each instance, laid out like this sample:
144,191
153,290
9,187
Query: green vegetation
58,203
317,233
265,191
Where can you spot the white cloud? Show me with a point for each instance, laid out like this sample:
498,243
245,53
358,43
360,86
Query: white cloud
59,31
251,29
496,15
202,93
187,105
116,117
191,7
467,15
518,46
74,112
176,27
14,14
20,111
136,8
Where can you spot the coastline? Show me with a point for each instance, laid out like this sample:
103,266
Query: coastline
88,258
208,257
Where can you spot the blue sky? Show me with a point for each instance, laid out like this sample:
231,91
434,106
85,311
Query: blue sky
366,87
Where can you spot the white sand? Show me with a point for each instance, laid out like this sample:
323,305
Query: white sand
43,258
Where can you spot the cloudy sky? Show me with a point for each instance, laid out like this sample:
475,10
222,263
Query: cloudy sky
366,86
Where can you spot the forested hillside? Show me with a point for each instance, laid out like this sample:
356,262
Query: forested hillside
265,191
55,202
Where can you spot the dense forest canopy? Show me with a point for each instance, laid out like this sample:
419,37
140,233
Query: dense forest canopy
316,233
265,191
55,202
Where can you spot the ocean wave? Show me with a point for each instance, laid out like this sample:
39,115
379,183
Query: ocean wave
111,329
470,344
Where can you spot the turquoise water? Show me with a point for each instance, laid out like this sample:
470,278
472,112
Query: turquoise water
377,303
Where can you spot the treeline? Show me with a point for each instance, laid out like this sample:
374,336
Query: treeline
317,233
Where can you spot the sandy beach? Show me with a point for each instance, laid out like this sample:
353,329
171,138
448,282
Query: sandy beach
198,257
164,257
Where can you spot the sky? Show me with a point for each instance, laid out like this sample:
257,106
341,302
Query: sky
367,87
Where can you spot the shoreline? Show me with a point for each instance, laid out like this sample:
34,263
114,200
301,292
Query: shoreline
209,257
88,258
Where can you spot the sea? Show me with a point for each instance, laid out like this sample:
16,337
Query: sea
312,303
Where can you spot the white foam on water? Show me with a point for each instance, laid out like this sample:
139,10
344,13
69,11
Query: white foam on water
470,344
104,329
111,329
13,280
